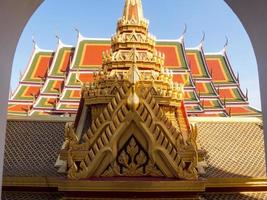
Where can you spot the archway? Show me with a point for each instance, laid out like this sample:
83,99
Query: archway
17,19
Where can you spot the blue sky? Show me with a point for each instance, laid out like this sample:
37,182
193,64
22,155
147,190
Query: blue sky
167,18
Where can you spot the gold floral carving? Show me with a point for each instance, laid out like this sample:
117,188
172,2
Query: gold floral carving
132,160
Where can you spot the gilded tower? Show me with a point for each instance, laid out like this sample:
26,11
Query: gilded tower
131,120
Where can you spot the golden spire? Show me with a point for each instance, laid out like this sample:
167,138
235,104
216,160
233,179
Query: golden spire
133,18
133,10
135,98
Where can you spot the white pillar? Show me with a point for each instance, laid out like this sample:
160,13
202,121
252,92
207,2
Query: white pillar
253,16
14,15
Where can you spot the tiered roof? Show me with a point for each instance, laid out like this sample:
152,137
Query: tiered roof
204,86
227,85
51,84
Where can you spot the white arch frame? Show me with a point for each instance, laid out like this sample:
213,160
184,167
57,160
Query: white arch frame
15,14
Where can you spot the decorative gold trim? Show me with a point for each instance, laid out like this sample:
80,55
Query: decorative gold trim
236,182
135,185
31,182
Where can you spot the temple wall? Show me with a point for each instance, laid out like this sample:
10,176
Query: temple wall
14,15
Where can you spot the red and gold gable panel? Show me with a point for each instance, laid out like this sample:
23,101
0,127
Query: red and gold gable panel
53,86
209,104
220,71
46,102
89,53
18,109
75,78
174,54
71,95
26,92
196,63
205,89
62,62
183,78
38,68
243,111
231,95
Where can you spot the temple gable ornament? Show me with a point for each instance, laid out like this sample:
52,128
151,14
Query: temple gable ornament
131,120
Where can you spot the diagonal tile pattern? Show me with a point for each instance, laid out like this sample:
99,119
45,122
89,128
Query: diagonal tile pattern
31,148
234,149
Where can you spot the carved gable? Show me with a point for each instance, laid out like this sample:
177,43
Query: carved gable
132,121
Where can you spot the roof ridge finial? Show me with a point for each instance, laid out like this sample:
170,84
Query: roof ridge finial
79,35
77,31
225,45
181,38
59,42
58,38
35,46
33,39
201,43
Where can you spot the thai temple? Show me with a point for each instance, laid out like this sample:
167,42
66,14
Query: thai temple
132,117
51,84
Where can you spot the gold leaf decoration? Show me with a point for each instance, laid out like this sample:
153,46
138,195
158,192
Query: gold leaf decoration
132,160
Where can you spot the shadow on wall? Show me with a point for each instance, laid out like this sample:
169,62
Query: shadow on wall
249,196
213,172
30,196
57,196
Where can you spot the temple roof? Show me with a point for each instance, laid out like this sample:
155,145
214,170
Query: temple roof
58,196
132,121
242,196
52,82
233,152
31,196
33,154
205,76
237,153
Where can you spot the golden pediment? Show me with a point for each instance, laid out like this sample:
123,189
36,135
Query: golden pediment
132,114
131,119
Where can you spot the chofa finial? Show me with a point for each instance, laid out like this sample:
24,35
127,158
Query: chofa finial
226,44
184,32
58,39
201,43
35,46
